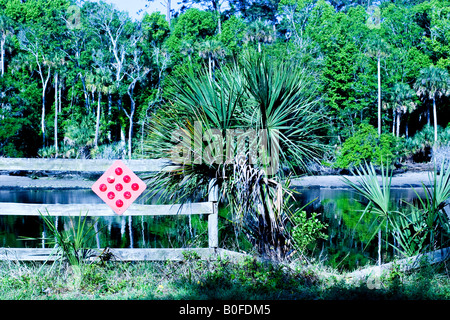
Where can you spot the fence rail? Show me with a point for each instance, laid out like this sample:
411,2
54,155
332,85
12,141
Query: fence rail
78,165
101,210
120,254
42,254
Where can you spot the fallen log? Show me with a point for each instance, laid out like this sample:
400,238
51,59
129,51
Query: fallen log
403,264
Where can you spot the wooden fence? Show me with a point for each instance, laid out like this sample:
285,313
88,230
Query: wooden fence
126,254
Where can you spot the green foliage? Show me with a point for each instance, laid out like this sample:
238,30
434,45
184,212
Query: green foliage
223,279
259,95
232,34
80,134
306,230
74,245
367,146
427,227
107,151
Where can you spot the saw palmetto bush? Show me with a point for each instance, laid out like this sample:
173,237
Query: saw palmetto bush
424,227
240,129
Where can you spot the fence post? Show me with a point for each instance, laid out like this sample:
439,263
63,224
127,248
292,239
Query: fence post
213,230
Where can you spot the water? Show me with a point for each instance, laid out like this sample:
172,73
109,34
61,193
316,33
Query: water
352,236
115,232
352,241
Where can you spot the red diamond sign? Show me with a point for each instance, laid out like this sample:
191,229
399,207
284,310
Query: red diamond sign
119,187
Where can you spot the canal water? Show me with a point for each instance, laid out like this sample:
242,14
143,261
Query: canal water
352,240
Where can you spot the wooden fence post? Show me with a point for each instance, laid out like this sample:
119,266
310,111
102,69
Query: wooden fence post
213,229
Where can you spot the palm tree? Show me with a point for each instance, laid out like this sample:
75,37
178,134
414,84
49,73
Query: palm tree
433,82
187,49
401,96
378,49
5,31
212,50
259,32
278,99
100,81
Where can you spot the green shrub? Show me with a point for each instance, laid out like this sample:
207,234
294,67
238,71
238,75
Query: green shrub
306,230
109,151
421,147
367,146
47,152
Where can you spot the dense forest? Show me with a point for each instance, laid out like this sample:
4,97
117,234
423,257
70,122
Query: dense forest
83,80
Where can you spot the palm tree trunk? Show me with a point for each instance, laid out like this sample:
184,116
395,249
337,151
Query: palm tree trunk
379,246
394,119
59,97
169,8
43,117
398,124
379,96
130,117
210,68
435,119
56,114
97,124
109,116
2,54
130,133
86,95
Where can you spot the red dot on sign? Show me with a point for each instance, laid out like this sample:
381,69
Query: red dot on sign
119,203
103,187
111,195
127,194
126,179
119,187
119,171
135,187
110,179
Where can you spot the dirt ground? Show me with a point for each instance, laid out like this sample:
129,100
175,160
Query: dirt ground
406,180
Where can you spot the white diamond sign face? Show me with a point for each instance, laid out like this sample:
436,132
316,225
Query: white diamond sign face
119,187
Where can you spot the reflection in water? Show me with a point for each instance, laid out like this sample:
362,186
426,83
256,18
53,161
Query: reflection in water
351,242
352,238
114,231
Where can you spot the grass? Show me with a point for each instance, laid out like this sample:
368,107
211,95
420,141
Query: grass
202,279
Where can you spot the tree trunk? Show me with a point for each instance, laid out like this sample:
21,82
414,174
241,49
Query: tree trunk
394,119
56,115
130,116
2,54
379,96
398,123
44,88
435,120
97,123
379,246
169,8
406,129
43,118
86,95
109,116
210,68
59,97
130,129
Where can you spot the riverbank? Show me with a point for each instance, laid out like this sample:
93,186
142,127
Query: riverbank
402,180
27,173
194,279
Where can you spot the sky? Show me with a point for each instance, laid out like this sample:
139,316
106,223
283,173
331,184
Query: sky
133,6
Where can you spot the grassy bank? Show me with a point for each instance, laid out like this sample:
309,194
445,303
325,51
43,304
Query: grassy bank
196,279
